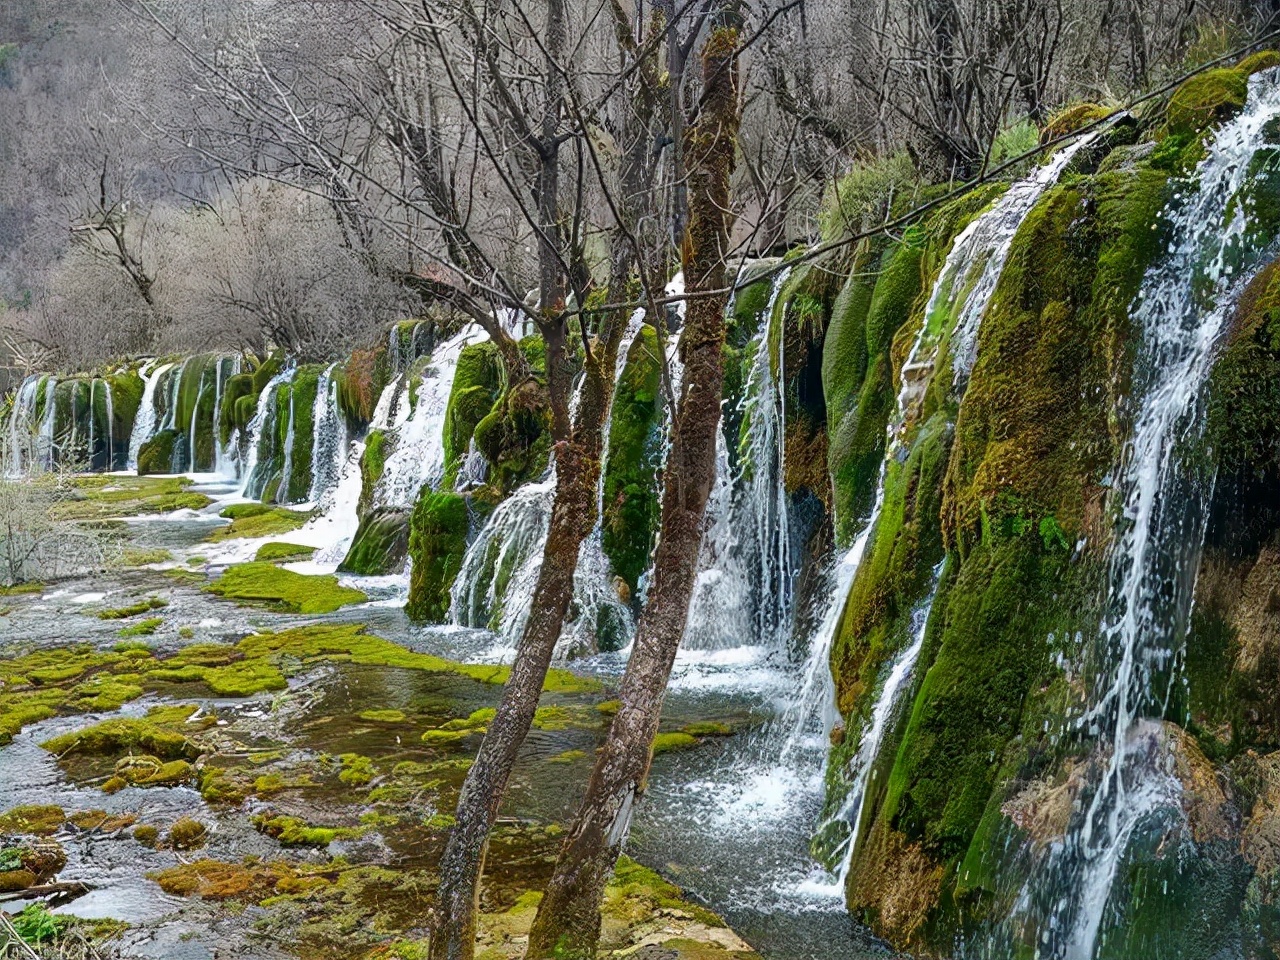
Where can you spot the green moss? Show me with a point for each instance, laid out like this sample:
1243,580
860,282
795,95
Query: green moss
154,735
438,532
631,471
383,716
372,462
1243,424
277,552
477,384
126,398
143,628
1205,99
302,399
102,497
673,742
252,524
133,610
295,832
305,645
267,584
707,728
356,770
515,436
380,544
157,454
1255,62
239,404
41,820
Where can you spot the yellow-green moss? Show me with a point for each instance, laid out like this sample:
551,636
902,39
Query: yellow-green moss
267,584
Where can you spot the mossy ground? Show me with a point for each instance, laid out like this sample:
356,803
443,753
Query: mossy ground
253,520
272,586
101,498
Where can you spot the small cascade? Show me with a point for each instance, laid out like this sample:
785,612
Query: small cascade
144,424
173,387
111,426
494,588
93,432
1182,309
886,707
22,426
262,430
328,438
746,566
46,446
286,472
599,611
418,456
224,455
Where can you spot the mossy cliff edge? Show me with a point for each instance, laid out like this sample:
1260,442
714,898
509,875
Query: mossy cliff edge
1003,505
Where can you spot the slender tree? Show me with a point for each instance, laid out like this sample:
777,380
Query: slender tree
568,920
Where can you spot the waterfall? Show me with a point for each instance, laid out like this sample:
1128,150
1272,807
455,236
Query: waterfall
494,588
174,385
224,459
338,519
1182,310
195,414
286,472
47,447
328,438
21,424
886,706
963,290
144,424
92,425
595,595
746,564
261,431
111,427
418,456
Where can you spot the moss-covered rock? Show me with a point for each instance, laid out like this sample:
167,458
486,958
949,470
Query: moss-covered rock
380,545
267,584
126,398
158,455
239,404
372,462
1205,99
477,384
361,381
437,543
631,470
515,435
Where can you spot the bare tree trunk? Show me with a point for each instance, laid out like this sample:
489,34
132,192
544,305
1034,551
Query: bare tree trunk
573,516
567,926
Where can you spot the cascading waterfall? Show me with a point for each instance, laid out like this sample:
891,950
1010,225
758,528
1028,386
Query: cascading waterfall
495,585
224,460
863,764
109,403
594,593
174,385
46,446
261,432
1182,310
21,425
418,456
962,290
329,437
290,435
338,519
746,583
779,786
144,424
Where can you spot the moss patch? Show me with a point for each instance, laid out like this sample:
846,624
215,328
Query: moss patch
253,520
267,584
437,543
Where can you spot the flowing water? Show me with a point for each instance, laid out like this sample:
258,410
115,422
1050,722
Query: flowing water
329,439
1181,310
261,435
144,424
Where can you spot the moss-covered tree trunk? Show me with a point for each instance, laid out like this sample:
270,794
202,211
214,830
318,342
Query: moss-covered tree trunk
568,920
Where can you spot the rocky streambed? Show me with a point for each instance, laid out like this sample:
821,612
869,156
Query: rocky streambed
194,767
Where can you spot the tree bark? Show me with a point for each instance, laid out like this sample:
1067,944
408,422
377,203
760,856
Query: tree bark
567,926
573,515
